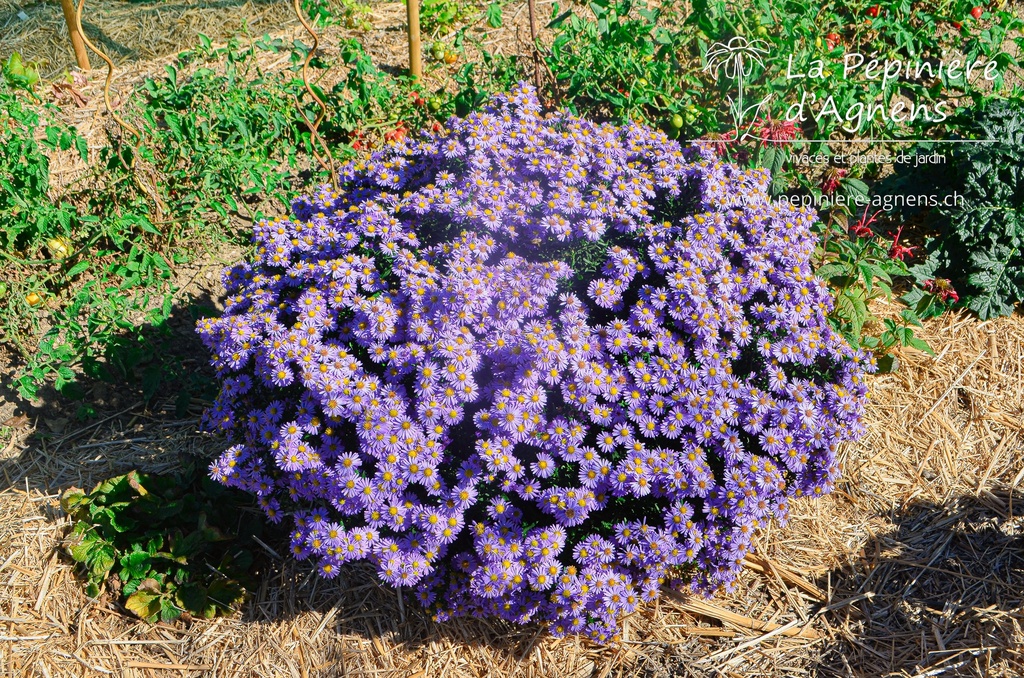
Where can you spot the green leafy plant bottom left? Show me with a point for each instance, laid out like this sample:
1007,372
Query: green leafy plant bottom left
165,545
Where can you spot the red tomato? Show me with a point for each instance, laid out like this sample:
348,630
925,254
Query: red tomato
873,11
977,12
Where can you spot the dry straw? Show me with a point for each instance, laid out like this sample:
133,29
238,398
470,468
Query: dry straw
130,32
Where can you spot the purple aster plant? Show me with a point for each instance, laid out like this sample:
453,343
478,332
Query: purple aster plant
533,367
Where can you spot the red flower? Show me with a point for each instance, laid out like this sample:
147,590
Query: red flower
719,143
775,132
941,287
830,181
898,251
862,227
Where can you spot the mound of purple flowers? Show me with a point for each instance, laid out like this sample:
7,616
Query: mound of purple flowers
533,367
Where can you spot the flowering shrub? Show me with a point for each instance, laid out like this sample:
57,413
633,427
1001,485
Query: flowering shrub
533,367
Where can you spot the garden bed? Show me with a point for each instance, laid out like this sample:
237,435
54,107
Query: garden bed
915,564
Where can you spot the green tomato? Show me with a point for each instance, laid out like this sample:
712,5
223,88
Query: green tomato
676,121
642,82
59,246
762,31
434,104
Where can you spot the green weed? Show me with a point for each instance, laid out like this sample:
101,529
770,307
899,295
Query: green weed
164,545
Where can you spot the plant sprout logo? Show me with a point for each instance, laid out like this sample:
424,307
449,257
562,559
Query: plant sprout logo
736,60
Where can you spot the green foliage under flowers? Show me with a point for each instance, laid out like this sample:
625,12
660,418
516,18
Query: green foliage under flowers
859,267
979,245
165,545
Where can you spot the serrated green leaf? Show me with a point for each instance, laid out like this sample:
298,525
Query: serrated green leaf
992,280
192,597
78,269
145,604
136,560
911,317
101,560
168,610
80,552
72,500
921,345
831,270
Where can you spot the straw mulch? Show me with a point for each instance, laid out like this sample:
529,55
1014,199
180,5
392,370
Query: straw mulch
134,32
131,31
913,567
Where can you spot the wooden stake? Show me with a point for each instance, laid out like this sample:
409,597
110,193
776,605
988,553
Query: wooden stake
81,56
533,38
415,65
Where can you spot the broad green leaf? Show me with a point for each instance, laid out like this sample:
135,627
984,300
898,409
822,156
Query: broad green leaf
80,552
101,560
73,499
144,604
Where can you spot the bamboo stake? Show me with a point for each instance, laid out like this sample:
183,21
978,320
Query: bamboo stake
81,55
415,65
